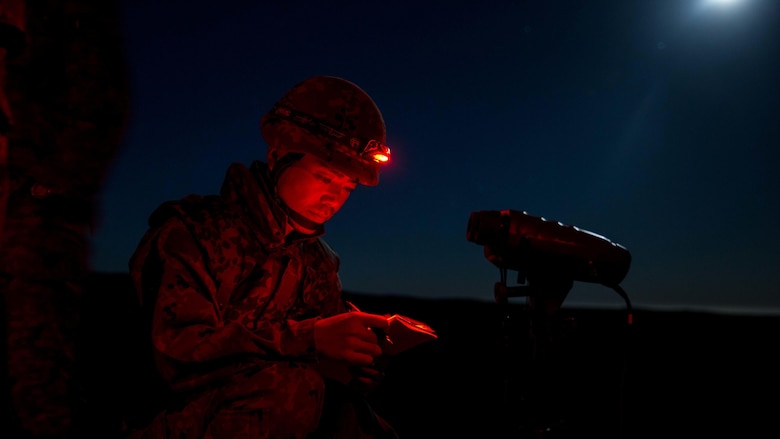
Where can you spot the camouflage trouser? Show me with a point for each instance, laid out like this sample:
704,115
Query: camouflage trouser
348,415
278,400
292,410
40,319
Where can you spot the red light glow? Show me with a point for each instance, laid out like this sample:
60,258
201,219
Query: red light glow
381,158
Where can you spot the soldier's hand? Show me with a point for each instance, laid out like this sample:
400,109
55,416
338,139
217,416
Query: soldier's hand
349,337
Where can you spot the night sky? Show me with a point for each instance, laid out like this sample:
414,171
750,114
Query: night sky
652,123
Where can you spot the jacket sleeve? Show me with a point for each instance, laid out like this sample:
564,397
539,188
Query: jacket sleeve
187,325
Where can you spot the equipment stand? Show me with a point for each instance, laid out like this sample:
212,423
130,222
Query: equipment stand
532,407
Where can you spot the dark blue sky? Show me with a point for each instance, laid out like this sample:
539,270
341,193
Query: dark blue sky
652,123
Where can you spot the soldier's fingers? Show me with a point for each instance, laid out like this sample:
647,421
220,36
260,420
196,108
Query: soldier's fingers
372,320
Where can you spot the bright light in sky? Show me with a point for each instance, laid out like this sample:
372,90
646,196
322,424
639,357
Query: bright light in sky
725,6
723,2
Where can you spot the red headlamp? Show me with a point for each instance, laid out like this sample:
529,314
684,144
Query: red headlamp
376,151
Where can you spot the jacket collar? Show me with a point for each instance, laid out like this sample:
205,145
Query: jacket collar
255,191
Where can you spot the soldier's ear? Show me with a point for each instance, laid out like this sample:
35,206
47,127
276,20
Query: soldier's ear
277,164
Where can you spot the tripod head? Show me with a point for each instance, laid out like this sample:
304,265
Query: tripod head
548,255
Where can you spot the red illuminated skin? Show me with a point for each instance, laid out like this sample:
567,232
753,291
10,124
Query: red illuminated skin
314,190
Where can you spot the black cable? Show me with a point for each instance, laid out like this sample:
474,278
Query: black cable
622,383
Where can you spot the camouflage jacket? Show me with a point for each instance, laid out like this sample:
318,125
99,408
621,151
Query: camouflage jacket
232,305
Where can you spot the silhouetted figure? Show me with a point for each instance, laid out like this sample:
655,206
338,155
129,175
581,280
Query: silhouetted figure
64,103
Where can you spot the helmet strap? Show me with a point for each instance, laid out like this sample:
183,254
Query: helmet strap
282,163
296,218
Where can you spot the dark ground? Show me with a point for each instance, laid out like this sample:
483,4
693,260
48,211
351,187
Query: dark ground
670,374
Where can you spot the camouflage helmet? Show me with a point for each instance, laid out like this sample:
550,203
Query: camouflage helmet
332,119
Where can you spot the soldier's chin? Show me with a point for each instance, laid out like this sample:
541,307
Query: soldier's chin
318,218
305,222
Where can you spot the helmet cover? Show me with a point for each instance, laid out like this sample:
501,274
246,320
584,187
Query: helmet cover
332,119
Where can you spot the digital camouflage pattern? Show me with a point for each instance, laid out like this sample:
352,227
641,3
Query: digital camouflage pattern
64,102
232,309
331,118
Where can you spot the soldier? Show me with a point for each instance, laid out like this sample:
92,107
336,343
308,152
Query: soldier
63,101
249,329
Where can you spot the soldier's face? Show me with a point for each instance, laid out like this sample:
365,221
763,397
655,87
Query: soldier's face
313,189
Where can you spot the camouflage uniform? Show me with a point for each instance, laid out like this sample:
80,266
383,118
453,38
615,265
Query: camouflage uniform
63,103
233,305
